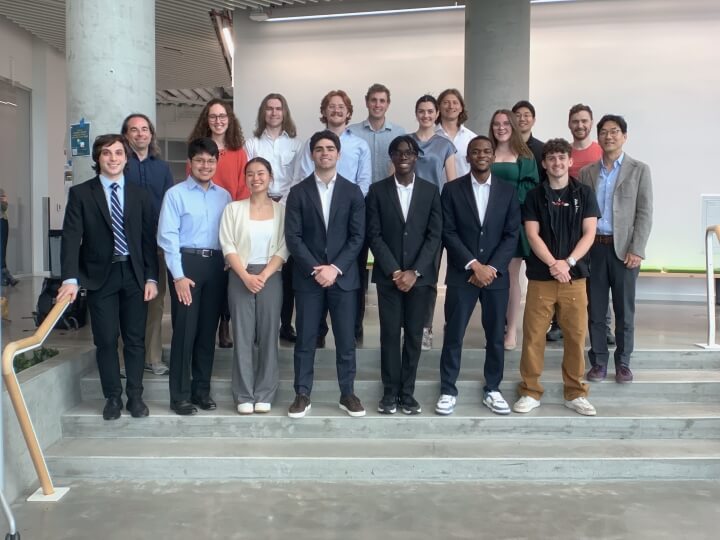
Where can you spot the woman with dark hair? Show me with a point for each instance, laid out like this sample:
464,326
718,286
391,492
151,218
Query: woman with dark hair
436,164
217,121
515,164
253,243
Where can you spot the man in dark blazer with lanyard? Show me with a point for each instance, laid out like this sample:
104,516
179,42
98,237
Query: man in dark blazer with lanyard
324,231
404,227
481,223
108,247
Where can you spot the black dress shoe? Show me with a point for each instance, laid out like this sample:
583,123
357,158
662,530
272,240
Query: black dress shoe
137,408
183,407
113,408
320,344
206,403
287,333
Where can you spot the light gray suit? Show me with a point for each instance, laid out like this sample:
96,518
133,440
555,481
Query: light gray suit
632,221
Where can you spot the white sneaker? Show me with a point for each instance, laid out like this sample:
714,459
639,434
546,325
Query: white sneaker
245,408
427,339
446,404
261,407
526,404
581,406
496,403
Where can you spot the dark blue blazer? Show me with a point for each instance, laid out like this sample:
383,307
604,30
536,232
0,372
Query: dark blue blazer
311,244
493,243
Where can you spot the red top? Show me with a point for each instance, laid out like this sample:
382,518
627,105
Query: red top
230,173
581,158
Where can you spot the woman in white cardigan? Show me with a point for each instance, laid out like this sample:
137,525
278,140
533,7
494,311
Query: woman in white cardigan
253,242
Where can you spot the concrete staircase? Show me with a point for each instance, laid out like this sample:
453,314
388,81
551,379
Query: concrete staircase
666,425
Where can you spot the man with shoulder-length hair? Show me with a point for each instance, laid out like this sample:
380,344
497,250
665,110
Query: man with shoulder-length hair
108,247
146,169
275,139
451,125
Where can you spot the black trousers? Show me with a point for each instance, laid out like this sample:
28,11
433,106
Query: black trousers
398,312
288,303
192,349
118,307
362,291
608,273
311,307
4,232
459,305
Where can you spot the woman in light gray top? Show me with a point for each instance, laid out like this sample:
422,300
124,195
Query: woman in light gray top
436,163
253,242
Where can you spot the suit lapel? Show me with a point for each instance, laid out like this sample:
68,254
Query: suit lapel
625,170
99,196
312,192
467,190
491,200
130,212
392,194
334,200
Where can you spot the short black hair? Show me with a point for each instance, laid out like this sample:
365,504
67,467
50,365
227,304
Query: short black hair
411,142
556,146
264,162
324,134
524,103
203,145
481,138
103,141
619,120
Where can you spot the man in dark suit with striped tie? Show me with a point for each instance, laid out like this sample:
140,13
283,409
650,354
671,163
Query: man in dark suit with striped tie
108,247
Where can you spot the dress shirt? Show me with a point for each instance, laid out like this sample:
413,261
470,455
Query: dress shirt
405,195
280,152
354,163
326,192
461,140
378,141
482,196
190,217
153,174
605,190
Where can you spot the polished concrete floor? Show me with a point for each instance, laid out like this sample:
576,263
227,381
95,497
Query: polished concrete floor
373,511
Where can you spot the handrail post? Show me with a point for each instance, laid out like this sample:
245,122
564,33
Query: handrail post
711,232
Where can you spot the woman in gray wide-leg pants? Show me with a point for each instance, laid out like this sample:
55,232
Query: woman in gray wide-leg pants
253,241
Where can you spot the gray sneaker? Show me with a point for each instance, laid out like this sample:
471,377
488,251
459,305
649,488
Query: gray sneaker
157,369
427,339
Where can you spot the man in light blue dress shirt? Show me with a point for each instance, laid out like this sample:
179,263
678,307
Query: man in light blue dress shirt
188,234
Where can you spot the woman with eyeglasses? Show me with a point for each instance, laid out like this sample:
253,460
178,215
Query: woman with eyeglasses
253,241
218,121
436,164
515,164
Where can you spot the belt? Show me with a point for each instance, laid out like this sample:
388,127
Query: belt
200,252
120,258
606,239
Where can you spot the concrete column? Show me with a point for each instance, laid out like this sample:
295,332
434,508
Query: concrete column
497,58
110,52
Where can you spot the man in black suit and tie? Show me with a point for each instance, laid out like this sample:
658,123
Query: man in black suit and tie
481,224
324,231
108,247
404,227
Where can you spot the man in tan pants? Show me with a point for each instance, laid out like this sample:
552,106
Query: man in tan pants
560,217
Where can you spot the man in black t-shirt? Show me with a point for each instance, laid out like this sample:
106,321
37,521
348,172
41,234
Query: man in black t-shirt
560,218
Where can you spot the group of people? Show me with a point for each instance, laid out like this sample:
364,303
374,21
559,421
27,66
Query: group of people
270,225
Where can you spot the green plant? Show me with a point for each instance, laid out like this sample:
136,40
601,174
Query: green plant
39,355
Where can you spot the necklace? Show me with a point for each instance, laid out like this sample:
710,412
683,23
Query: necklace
559,195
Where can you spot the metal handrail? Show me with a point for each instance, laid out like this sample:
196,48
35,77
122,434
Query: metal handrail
712,230
11,350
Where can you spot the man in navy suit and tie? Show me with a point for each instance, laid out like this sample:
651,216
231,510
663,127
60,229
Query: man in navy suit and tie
324,231
108,247
481,224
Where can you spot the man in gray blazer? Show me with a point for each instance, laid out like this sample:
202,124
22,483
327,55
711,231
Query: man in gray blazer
624,193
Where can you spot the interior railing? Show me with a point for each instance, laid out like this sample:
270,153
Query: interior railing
712,231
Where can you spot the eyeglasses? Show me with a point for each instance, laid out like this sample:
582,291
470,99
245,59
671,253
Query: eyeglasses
610,132
215,117
403,153
200,161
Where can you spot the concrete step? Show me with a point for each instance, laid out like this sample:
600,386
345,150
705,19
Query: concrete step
641,359
327,421
654,386
382,459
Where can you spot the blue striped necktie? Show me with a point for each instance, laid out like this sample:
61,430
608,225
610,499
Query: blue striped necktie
118,225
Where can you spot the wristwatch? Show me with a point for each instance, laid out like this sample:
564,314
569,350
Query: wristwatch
417,274
571,262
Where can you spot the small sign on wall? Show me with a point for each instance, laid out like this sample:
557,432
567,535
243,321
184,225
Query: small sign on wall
80,138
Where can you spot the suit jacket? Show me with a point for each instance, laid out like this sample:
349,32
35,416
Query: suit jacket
632,204
88,242
493,243
311,244
404,245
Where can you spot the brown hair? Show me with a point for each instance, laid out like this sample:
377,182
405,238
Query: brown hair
578,108
153,147
462,118
103,141
326,101
517,145
234,139
287,125
377,88
556,146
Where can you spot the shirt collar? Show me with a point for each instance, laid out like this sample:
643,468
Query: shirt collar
283,134
441,130
616,163
387,126
330,183
107,183
193,184
400,186
476,183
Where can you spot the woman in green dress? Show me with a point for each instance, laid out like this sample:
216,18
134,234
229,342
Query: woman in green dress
515,164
